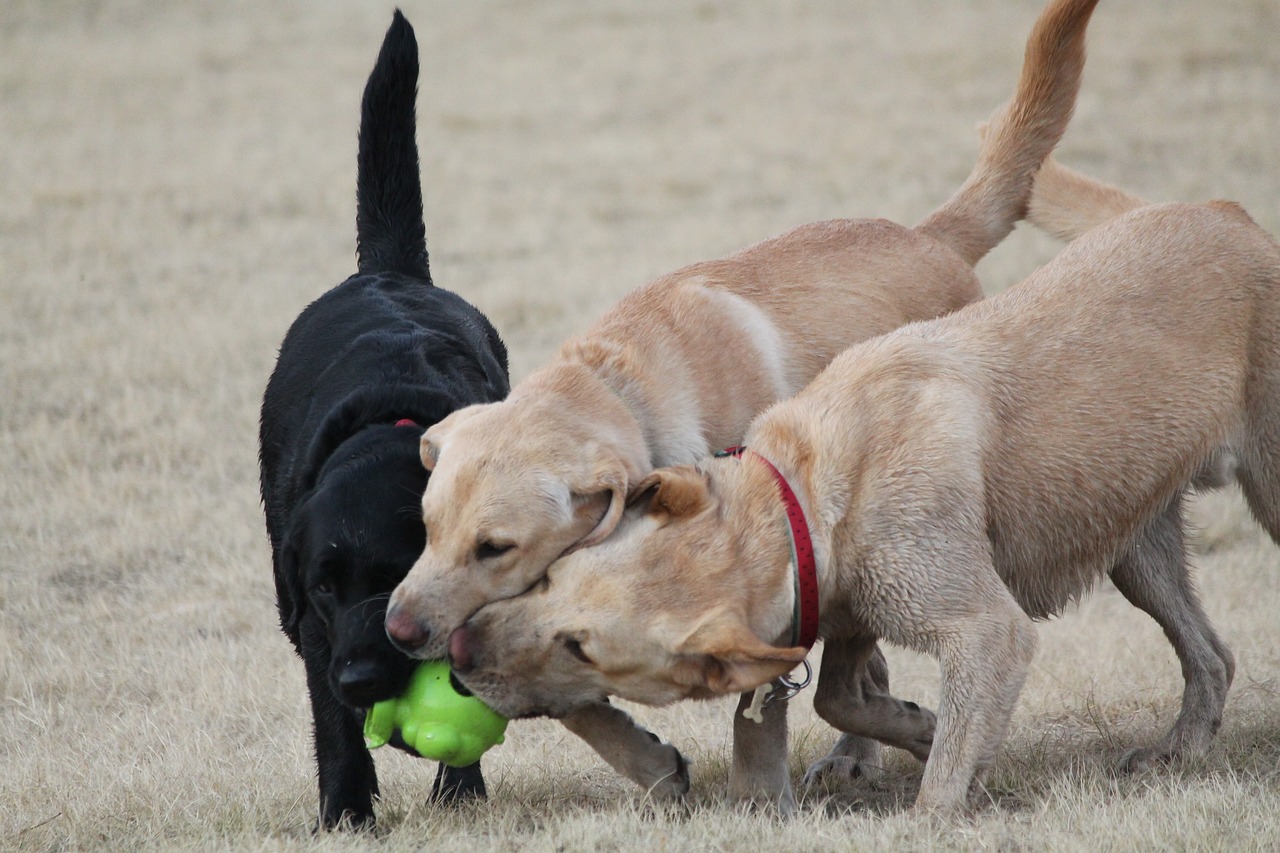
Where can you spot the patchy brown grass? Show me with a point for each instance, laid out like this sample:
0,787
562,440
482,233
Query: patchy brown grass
177,181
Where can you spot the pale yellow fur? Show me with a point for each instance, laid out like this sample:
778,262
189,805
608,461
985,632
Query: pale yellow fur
594,422
547,470
961,477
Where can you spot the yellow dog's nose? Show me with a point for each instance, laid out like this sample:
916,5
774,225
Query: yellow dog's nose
460,658
405,632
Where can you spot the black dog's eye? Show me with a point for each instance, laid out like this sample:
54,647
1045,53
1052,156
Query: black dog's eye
488,550
575,649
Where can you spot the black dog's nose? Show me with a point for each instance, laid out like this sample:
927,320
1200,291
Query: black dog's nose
405,632
361,682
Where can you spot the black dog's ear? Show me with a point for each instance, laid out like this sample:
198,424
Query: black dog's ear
366,406
339,425
291,596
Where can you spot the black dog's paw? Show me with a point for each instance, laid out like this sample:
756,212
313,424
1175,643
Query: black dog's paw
458,784
346,820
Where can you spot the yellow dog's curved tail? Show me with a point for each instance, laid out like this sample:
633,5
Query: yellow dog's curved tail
1019,136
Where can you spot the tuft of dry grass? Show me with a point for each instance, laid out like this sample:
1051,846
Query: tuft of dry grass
178,182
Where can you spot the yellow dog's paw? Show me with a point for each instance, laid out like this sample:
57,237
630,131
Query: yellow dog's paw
1146,758
673,785
837,769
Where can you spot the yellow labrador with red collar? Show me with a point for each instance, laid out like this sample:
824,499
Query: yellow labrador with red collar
680,366
959,478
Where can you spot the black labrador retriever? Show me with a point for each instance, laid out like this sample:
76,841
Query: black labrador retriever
361,373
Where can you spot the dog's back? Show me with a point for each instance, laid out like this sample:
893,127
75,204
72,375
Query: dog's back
1077,452
1173,300
1219,262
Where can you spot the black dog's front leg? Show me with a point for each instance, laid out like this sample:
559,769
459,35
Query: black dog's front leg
454,784
348,782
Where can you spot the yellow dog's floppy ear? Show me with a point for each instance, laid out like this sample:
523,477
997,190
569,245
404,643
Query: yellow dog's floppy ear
722,655
429,450
433,440
608,489
678,492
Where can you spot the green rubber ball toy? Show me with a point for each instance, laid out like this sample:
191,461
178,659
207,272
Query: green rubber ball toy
437,721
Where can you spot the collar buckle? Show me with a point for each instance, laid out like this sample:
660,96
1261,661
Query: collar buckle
787,688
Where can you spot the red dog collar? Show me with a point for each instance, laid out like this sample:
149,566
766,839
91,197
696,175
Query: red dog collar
407,422
804,621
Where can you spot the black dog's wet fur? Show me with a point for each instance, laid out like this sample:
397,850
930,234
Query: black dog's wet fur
341,484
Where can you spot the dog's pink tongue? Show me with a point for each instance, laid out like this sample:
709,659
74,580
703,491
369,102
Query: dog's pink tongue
459,653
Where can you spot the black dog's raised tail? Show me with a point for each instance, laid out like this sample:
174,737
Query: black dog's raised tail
390,235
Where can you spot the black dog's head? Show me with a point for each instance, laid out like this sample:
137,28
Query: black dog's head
349,543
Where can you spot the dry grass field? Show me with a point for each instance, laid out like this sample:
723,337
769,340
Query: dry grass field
177,181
